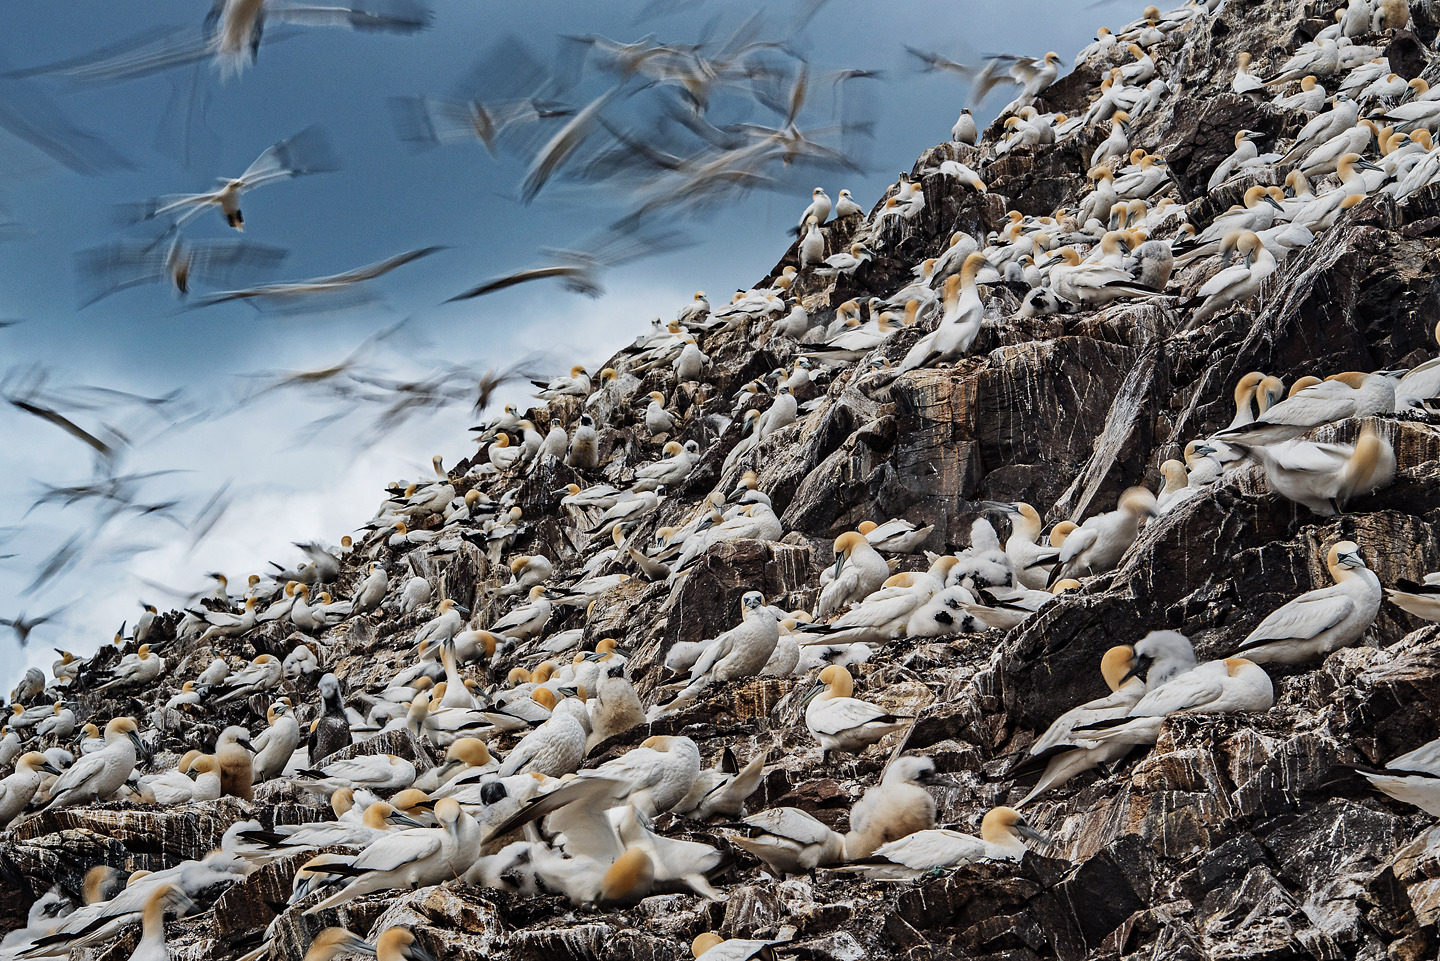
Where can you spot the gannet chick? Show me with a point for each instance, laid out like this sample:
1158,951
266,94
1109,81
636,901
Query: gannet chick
233,752
1098,544
584,450
1215,687
95,777
790,841
898,806
1003,832
1323,620
841,722
614,708
331,731
867,570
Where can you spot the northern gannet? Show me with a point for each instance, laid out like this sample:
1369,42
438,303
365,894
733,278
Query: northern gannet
1117,666
1098,544
1215,687
275,745
867,570
97,776
1003,832
840,722
722,789
577,384
819,209
1233,284
1351,394
1320,621
1244,84
17,790
374,772
897,536
1325,477
137,669
1413,778
959,324
1422,600
152,921
261,674
413,858
790,841
680,459
1245,151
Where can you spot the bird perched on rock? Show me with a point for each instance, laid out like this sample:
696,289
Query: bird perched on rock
1322,620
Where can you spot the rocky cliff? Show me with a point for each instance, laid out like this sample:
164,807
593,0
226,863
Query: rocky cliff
1236,836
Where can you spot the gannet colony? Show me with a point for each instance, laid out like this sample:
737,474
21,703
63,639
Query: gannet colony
1037,565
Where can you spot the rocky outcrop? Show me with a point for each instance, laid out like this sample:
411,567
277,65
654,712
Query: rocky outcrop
1243,836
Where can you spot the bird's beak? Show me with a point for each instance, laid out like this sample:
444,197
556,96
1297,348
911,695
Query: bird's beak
1274,203
1254,135
397,818
449,766
464,612
135,739
49,768
1138,668
839,563
1030,834
416,953
245,743
811,695
1364,164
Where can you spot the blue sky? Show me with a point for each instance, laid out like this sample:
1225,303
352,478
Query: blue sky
386,199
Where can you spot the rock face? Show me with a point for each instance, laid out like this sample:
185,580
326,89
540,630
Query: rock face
1237,836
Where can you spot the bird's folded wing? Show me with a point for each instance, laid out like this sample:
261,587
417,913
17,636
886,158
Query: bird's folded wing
1301,619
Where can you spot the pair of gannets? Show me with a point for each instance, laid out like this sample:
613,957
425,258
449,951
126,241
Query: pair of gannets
1129,671
393,944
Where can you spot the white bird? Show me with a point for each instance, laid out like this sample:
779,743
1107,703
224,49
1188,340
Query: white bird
1215,687
529,619
413,858
275,745
1351,394
1422,600
840,722
556,748
1245,151
679,461
152,922
1325,477
858,572
959,324
964,130
1413,778
577,384
17,790
897,536
97,776
1003,832
790,841
307,152
722,789
1097,545
261,674
134,670
1320,621
819,208
379,773
847,207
